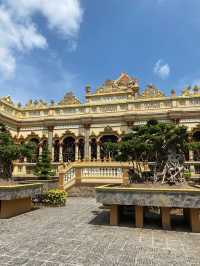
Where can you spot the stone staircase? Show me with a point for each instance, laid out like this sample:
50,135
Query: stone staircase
81,178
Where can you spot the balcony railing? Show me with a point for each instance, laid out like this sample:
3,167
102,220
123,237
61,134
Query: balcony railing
92,171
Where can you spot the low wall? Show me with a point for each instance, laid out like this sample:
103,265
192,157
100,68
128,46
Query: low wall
179,198
19,191
82,190
46,184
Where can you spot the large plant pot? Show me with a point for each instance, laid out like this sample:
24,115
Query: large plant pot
166,199
16,199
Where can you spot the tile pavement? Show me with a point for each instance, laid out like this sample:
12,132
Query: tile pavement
79,234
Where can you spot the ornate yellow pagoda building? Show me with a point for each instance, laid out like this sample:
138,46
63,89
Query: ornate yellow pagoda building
75,131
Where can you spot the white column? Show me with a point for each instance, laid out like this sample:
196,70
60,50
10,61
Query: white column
87,135
98,151
191,155
76,151
50,139
40,150
52,152
89,155
61,153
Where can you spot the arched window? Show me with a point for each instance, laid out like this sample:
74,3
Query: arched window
106,138
35,141
56,150
69,149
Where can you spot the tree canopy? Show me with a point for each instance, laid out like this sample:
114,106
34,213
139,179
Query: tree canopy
43,167
152,142
9,151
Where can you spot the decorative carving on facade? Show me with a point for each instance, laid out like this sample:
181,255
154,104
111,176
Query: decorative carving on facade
32,135
67,133
44,137
7,99
56,137
36,104
80,137
87,89
196,90
92,135
108,130
152,92
69,99
173,93
189,91
123,83
115,96
186,91
21,137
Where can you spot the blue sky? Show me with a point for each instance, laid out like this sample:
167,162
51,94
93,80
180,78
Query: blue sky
50,47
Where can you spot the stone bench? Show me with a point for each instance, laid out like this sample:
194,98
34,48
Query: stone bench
16,199
165,199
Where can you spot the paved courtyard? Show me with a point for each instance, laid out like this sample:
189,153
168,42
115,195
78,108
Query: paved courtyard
79,234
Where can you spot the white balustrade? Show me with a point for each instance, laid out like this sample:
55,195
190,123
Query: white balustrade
70,174
101,172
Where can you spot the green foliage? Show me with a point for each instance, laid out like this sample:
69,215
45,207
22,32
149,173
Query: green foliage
110,149
43,167
55,197
151,142
194,146
187,175
10,151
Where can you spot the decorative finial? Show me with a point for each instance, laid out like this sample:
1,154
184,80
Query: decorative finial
173,93
87,89
196,89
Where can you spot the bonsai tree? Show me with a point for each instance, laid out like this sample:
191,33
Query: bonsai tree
195,146
110,149
43,167
161,143
9,151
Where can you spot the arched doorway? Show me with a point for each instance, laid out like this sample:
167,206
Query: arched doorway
106,138
35,156
56,151
44,144
69,149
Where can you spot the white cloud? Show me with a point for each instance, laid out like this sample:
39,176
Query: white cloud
18,33
161,69
63,15
7,63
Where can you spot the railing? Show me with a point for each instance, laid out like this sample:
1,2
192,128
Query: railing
26,169
90,169
101,172
70,174
91,172
121,105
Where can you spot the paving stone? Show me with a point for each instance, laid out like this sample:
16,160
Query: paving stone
79,235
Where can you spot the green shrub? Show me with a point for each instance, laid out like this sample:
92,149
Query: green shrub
55,197
187,175
43,168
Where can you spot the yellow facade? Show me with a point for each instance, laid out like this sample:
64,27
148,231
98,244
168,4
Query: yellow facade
75,130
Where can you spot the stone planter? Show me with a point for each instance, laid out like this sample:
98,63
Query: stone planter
187,199
46,184
16,199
